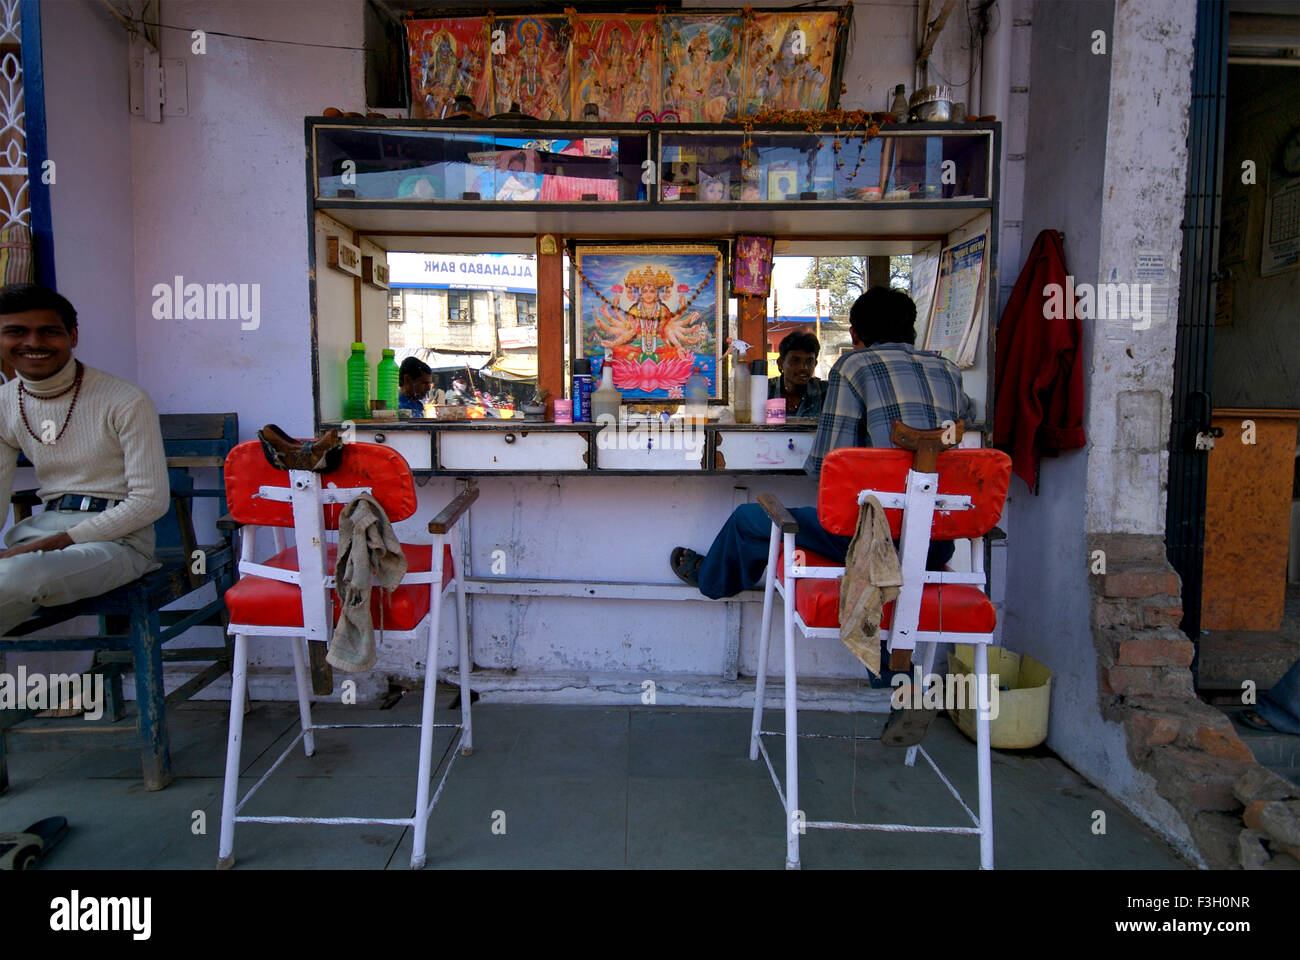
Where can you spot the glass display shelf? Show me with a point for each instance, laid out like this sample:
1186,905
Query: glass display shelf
779,167
461,164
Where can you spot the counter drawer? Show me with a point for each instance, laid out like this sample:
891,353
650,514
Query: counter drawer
513,450
761,450
415,446
650,448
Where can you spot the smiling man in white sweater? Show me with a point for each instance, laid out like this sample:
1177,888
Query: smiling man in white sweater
95,442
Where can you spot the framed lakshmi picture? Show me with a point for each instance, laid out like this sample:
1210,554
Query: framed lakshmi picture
660,311
751,271
447,58
533,69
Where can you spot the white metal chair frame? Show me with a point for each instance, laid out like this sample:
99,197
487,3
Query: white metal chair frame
308,499
918,504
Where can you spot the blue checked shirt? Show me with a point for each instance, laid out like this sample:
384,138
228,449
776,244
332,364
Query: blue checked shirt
867,390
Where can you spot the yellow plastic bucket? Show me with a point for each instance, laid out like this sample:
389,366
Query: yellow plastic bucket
1024,697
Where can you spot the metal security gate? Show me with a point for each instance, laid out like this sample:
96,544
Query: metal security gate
1191,406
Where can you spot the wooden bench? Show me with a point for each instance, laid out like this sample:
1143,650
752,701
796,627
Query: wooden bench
133,626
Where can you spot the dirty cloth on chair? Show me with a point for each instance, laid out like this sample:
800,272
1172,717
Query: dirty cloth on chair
872,576
369,555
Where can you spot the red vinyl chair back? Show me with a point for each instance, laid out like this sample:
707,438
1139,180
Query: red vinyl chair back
380,468
981,474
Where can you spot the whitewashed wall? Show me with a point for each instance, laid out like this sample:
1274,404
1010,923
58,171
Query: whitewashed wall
219,196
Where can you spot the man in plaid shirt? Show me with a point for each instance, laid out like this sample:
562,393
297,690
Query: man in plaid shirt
884,378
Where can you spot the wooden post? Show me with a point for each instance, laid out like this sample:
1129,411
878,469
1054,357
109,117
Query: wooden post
550,319
877,272
753,324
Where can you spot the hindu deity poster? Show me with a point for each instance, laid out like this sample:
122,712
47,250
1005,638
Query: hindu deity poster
791,62
702,67
658,309
447,58
614,60
751,271
533,68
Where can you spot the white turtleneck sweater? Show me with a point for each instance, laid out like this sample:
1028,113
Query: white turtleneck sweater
112,448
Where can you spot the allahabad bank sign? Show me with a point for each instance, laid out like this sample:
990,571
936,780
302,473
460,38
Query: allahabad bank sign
509,272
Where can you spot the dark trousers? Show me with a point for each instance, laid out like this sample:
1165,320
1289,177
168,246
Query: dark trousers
738,556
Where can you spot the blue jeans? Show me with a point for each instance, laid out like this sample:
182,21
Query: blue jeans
738,556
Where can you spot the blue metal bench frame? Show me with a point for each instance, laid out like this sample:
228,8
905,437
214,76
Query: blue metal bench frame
133,626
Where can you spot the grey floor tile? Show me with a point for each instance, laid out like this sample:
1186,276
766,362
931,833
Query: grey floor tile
581,787
315,846
533,742
113,824
559,823
705,744
700,824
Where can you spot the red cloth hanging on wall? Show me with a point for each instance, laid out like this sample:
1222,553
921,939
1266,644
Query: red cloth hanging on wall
1038,405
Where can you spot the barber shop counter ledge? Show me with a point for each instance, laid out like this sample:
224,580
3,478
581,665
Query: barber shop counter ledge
504,447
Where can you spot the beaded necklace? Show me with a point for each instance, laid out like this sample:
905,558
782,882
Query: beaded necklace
76,386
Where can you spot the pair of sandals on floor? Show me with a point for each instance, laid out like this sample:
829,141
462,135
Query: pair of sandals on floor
906,726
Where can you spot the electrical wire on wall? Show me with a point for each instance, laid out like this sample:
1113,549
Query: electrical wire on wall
979,21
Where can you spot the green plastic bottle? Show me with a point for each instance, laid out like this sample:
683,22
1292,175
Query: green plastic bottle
388,376
358,402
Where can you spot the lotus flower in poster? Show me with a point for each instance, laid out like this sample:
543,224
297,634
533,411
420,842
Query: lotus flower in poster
649,375
656,310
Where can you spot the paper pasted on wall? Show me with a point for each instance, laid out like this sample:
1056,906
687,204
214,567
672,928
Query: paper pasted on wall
657,308
447,59
1281,246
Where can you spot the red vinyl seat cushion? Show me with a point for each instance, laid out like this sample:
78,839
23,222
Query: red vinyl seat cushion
270,603
959,607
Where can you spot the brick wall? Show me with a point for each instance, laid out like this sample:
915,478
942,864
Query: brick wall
1239,814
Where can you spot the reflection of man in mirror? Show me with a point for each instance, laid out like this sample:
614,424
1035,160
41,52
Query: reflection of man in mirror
519,184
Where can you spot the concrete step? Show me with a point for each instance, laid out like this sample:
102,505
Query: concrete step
1227,658
1271,749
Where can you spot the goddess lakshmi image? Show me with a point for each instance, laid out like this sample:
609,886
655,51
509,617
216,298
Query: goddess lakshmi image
698,86
753,266
655,339
614,68
533,72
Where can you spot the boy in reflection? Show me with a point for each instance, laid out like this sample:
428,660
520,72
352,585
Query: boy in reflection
414,380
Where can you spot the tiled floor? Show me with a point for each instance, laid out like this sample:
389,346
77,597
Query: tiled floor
547,786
